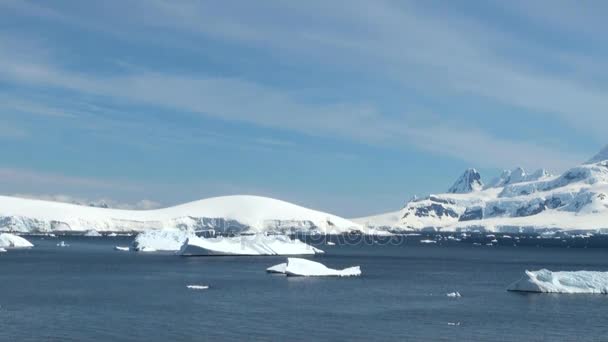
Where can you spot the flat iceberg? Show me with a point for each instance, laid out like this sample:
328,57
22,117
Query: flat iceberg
280,268
307,268
121,248
161,240
562,282
197,287
13,241
246,245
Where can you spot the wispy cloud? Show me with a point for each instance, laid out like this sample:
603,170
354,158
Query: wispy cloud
434,53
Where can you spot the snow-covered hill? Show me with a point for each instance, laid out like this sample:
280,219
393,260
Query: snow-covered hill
228,214
514,202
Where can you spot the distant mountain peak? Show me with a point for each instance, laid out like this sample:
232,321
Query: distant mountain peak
469,181
600,156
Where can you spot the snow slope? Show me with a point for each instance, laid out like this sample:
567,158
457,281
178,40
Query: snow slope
562,282
228,214
514,202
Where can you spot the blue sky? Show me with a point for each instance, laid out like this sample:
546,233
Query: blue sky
347,106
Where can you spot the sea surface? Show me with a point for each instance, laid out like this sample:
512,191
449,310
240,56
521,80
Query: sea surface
89,292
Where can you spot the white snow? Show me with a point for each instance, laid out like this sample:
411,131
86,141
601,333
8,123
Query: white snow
246,245
562,282
280,268
161,240
308,268
121,248
92,233
197,287
577,200
13,241
228,214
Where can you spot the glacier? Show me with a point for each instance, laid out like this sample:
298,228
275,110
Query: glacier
246,245
227,215
546,281
307,268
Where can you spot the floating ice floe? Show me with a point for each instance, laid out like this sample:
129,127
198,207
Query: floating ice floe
454,294
246,245
280,268
562,282
197,287
112,235
13,241
63,244
307,268
156,240
121,248
2,250
428,241
330,243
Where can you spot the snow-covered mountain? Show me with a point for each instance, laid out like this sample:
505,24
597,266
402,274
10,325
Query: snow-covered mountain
469,181
227,215
514,202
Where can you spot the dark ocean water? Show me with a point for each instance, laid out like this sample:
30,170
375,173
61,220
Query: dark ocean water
89,292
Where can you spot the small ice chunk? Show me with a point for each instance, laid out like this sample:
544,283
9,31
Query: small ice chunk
454,323
197,287
2,250
428,241
330,243
63,244
308,268
280,268
454,294
112,235
121,248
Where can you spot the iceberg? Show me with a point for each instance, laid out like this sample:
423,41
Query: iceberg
562,282
63,244
197,287
92,233
428,241
13,241
121,248
280,268
156,240
246,245
306,268
2,250
454,294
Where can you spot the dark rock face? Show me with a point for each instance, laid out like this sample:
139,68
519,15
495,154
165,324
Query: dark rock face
441,200
496,211
436,208
474,213
553,202
530,210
